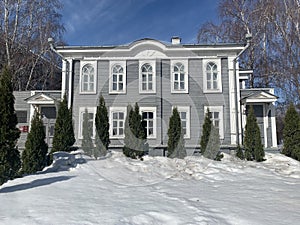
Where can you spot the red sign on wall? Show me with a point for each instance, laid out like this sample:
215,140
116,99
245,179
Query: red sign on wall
24,129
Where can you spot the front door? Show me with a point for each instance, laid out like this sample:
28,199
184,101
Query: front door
49,118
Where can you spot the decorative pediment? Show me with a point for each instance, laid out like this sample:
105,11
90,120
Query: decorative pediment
260,97
40,98
150,54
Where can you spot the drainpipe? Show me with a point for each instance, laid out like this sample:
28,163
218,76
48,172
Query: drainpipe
64,69
248,39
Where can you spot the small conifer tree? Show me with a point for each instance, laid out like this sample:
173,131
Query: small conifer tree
252,140
87,132
240,153
213,146
102,129
206,129
291,133
34,157
10,162
135,136
64,137
176,143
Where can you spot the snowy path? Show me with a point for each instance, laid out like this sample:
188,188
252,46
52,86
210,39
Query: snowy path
158,191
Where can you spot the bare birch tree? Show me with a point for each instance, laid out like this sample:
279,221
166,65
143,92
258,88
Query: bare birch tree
275,51
25,26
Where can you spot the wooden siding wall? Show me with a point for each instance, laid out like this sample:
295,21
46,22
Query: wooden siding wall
163,99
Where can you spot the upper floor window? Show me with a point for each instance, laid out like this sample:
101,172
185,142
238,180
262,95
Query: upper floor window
117,121
212,76
88,78
117,81
179,77
147,77
149,120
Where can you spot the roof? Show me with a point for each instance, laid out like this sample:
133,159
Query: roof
164,45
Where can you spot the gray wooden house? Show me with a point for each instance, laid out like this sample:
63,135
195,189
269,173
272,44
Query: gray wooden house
160,76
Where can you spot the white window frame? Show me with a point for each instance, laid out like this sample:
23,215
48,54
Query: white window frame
186,76
153,110
153,64
218,109
187,110
115,110
81,113
82,65
216,61
111,65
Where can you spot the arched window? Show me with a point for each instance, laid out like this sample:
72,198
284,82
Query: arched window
117,78
212,77
146,77
88,78
179,76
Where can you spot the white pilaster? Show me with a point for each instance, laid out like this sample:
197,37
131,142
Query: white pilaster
232,106
70,82
63,78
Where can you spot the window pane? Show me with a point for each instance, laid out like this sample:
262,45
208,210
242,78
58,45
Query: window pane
91,87
216,115
216,123
150,86
215,85
208,76
208,85
120,78
115,78
115,131
183,115
115,116
115,124
85,79
150,123
121,124
121,131
120,86
176,76
150,77
121,116
150,131
181,85
22,116
114,86
181,77
144,78
176,85
85,87
144,86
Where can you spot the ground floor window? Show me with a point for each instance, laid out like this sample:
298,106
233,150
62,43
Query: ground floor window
91,120
184,113
117,122
216,115
149,120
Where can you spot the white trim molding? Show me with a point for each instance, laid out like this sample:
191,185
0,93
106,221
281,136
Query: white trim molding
217,63
120,77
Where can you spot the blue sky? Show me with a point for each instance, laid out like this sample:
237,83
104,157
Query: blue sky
114,22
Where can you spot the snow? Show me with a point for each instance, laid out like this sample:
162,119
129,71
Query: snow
157,190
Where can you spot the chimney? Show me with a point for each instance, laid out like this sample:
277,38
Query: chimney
176,40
